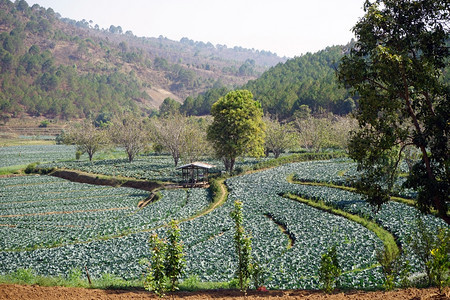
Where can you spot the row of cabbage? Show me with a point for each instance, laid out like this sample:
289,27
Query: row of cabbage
54,211
23,155
343,172
399,219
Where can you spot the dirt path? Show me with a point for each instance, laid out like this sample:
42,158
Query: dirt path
28,292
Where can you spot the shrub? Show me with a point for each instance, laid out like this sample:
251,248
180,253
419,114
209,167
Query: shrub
388,261
243,247
156,278
44,124
175,262
31,168
78,154
440,261
167,261
329,270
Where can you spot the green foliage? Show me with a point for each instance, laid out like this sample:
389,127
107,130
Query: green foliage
388,260
44,123
296,157
167,261
237,128
169,107
422,242
201,105
306,80
155,280
242,243
396,69
78,154
31,168
440,260
24,275
175,262
257,275
329,270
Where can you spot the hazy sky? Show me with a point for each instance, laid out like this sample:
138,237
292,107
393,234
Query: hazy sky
286,27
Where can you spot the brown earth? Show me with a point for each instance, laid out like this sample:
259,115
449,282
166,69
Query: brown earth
78,176
28,292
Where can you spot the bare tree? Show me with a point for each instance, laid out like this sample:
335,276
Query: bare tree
88,138
129,132
279,137
170,131
195,143
329,131
313,132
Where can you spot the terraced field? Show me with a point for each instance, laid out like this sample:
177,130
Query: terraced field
22,155
54,226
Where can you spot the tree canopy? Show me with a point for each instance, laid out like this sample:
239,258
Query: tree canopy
237,128
396,68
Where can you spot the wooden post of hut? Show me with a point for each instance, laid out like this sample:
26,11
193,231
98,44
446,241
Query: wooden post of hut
195,174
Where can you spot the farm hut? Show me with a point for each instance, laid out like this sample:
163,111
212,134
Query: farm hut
195,174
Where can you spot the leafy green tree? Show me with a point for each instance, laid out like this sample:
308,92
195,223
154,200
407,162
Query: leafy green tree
237,128
169,107
396,69
167,261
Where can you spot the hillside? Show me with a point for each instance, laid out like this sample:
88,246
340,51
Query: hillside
58,67
306,80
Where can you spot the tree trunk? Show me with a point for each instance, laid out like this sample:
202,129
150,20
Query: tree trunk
232,160
276,153
437,203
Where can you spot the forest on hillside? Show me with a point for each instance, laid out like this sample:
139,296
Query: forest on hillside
57,67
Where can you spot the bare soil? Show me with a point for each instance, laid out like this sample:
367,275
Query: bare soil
28,292
78,176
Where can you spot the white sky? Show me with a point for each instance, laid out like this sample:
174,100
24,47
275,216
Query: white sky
287,27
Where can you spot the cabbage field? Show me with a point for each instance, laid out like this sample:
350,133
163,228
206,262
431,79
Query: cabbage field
22,155
53,226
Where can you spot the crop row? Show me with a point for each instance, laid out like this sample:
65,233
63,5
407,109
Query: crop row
58,211
397,218
22,155
343,172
